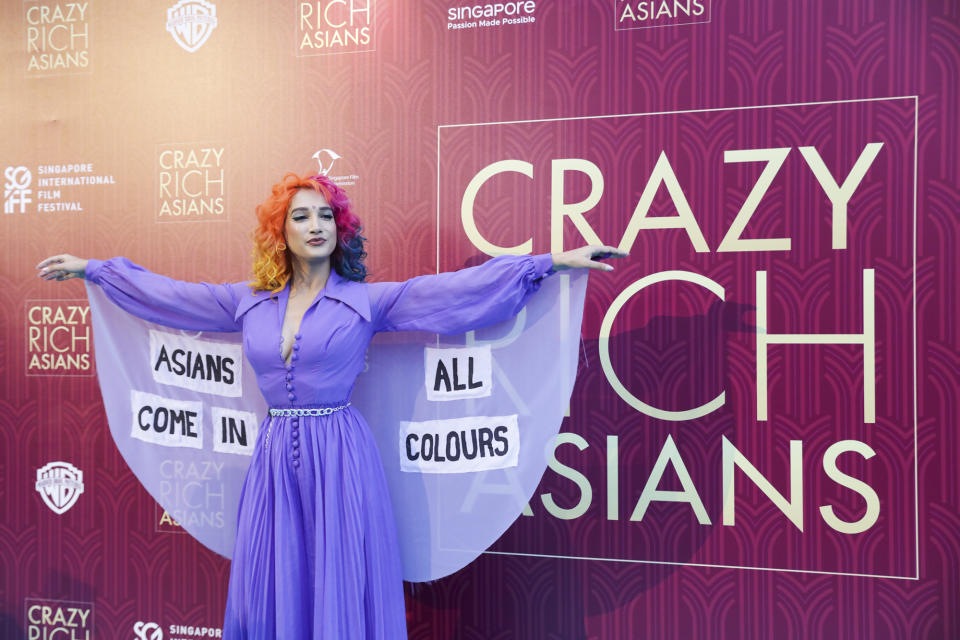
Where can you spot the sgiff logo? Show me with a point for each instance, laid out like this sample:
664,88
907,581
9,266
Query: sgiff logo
191,22
59,484
325,27
16,189
147,630
643,14
153,631
49,619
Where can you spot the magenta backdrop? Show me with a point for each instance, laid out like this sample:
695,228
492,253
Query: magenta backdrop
455,136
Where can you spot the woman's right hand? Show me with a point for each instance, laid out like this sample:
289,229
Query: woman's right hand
62,267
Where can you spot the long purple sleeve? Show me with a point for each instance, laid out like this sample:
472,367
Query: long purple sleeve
459,301
195,306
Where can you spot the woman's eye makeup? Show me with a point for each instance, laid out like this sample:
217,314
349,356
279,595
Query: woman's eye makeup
299,217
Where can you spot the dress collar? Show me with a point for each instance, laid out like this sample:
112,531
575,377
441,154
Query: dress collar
349,292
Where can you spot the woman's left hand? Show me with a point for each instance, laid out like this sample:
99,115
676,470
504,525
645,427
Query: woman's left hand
587,257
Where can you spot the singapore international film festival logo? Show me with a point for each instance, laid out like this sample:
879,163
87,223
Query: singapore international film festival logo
153,631
326,159
60,485
54,194
16,189
58,338
325,27
644,14
147,630
57,37
191,22
48,619
191,182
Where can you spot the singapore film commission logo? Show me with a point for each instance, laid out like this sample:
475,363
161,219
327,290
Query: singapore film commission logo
153,631
326,158
644,14
191,22
58,37
326,27
500,14
60,485
49,619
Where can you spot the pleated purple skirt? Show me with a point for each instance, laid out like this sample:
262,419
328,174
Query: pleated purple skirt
316,554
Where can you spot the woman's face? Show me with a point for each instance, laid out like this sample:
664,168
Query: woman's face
310,230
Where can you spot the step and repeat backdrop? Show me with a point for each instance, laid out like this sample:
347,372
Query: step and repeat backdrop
762,437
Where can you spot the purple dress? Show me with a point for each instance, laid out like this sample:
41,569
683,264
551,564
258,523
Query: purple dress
316,552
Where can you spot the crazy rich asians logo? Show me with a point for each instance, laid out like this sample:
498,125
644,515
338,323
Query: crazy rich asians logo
811,233
190,182
48,619
643,14
326,27
58,338
57,37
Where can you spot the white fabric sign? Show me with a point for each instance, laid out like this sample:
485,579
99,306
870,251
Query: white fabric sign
457,373
459,445
195,364
234,431
165,421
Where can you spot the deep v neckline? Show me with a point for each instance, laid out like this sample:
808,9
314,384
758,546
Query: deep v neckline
286,359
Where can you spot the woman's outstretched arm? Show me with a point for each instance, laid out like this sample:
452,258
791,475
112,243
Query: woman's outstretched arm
195,306
474,297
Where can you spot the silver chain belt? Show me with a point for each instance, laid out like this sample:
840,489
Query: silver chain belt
301,411
308,412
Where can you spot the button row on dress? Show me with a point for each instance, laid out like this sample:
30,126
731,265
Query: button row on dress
295,422
295,439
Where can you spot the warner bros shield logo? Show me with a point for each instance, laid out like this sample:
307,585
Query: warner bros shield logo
59,484
191,22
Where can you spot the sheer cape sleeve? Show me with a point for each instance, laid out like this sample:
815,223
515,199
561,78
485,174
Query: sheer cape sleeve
182,405
459,301
451,498
195,306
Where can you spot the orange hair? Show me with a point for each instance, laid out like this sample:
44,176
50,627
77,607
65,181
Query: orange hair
272,265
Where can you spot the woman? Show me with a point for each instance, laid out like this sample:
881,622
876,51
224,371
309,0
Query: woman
316,552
